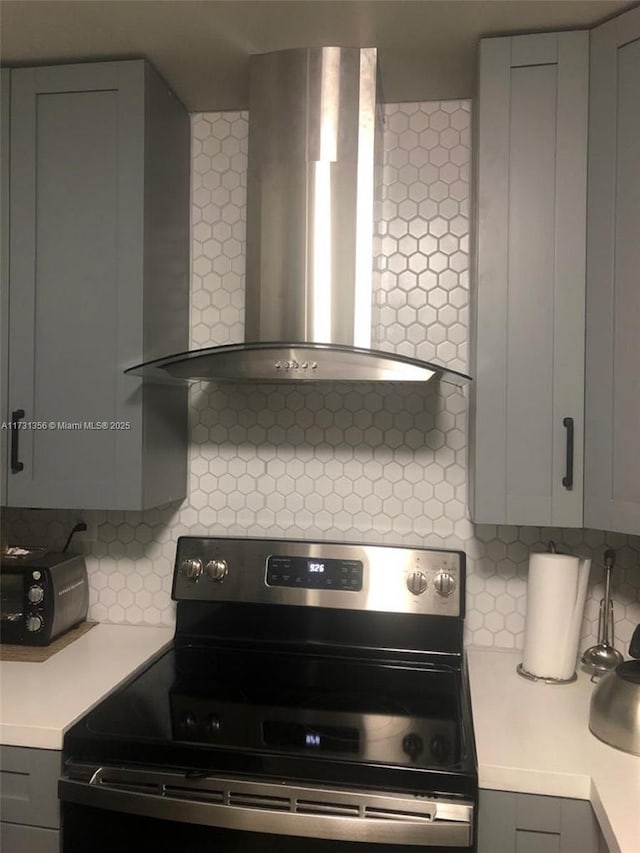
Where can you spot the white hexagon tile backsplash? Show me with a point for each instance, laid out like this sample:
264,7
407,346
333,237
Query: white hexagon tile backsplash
368,463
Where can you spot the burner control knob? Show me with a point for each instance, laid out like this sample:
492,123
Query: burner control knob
412,745
441,749
191,568
213,725
416,583
190,723
35,594
217,570
34,623
444,583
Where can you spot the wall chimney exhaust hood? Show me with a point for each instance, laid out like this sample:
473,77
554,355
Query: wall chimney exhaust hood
314,134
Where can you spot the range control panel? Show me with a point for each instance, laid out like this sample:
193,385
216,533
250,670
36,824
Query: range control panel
314,573
320,574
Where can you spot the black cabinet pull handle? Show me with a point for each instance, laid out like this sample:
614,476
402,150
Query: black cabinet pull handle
16,464
567,480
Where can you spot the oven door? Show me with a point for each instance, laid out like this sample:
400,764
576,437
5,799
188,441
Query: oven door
108,807
12,609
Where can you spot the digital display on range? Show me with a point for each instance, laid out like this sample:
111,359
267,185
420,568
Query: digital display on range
314,573
314,738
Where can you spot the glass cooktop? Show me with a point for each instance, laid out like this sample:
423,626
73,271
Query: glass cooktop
290,703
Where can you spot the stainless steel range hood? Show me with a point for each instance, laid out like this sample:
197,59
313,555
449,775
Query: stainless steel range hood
314,136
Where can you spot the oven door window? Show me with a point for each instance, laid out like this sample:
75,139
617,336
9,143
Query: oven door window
11,598
102,831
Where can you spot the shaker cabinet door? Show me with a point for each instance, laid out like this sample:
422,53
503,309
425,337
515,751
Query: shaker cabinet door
612,462
5,100
93,148
529,308
511,822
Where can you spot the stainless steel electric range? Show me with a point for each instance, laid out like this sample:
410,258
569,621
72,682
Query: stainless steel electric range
315,698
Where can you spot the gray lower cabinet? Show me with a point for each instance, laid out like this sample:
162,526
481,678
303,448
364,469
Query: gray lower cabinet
612,464
29,806
528,823
529,301
98,281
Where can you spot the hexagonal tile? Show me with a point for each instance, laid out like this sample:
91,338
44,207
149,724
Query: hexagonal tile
371,463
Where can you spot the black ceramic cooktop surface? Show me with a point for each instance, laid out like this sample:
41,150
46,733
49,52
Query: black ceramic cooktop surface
303,715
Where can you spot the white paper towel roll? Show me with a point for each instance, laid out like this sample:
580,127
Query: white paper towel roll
555,603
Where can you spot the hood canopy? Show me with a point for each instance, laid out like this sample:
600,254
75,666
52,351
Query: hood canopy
314,139
282,362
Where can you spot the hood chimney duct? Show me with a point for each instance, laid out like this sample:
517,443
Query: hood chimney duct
310,196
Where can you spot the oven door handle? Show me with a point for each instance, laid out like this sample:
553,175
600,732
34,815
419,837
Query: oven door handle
260,812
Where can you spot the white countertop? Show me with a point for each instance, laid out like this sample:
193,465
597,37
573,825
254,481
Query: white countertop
40,701
530,737
534,738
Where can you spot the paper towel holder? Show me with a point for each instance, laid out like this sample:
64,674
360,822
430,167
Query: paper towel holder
531,677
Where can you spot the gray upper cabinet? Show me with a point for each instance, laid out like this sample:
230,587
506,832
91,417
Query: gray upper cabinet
529,301
5,100
612,460
99,281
